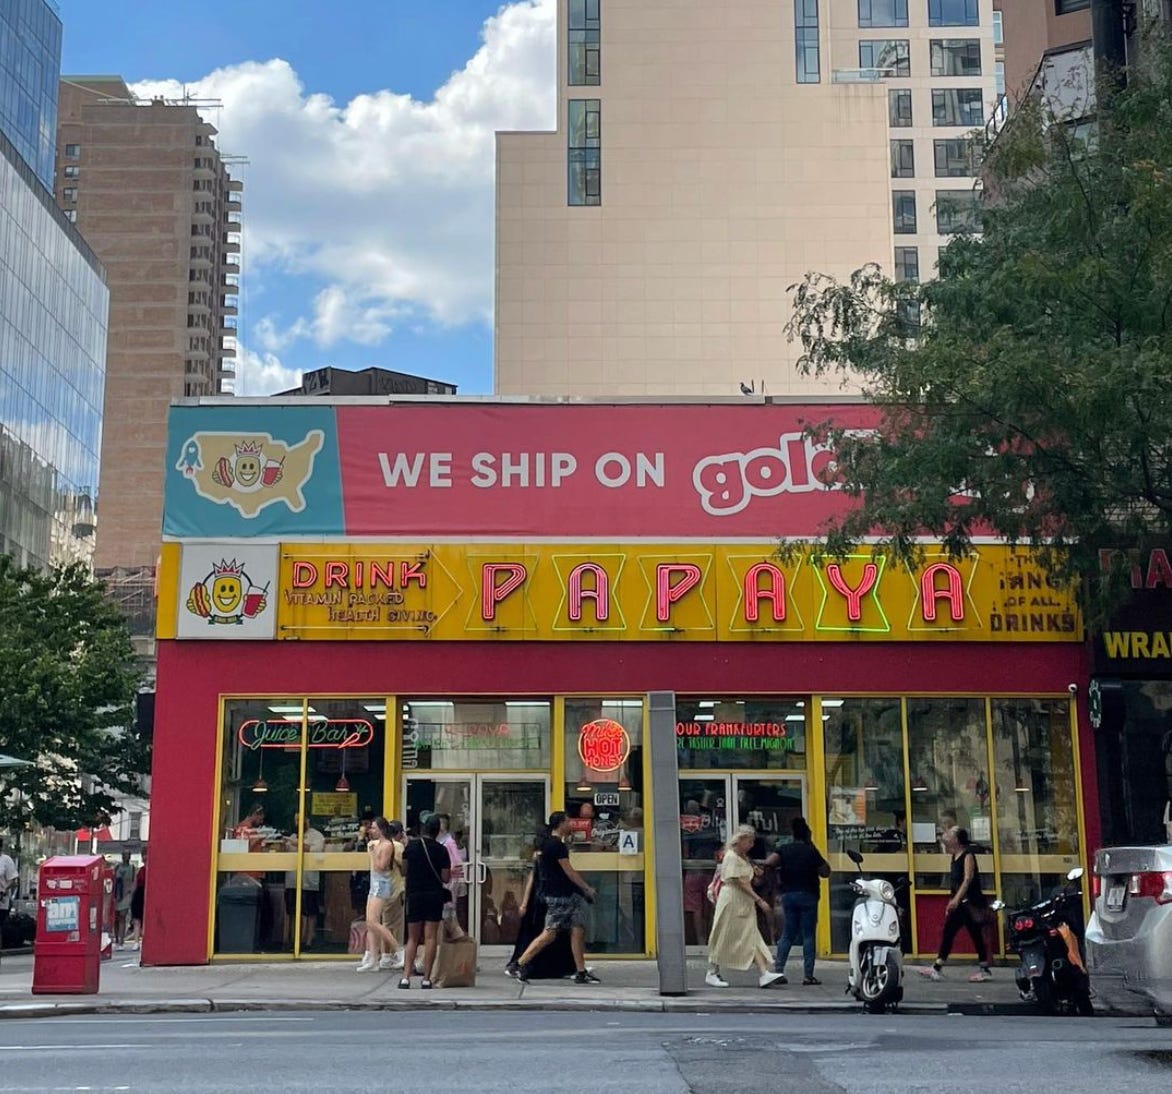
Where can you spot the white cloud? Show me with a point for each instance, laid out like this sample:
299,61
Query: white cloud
263,373
387,200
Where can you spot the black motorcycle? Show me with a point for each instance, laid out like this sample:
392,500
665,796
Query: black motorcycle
1047,937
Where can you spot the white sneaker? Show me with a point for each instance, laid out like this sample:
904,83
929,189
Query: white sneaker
385,962
367,964
768,979
396,959
715,980
931,973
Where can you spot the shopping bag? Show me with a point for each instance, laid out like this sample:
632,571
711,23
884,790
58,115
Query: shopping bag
455,964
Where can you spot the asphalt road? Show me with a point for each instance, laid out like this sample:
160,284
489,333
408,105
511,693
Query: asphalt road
590,1052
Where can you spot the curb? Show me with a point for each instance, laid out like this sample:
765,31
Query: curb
228,1006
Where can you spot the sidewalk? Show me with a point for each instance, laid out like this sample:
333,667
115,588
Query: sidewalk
626,985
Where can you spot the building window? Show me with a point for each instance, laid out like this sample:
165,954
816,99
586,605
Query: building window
998,29
1066,7
954,158
953,13
585,151
957,211
956,56
584,43
69,193
903,208
448,734
903,160
882,13
890,56
71,215
72,151
907,264
72,171
999,78
808,48
958,106
899,108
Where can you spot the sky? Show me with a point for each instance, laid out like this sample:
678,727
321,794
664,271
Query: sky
368,127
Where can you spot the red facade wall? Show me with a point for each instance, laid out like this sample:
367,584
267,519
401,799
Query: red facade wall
192,676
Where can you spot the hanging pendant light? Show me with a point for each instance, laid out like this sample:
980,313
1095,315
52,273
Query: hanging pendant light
260,786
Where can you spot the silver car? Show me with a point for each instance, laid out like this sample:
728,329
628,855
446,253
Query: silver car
1129,939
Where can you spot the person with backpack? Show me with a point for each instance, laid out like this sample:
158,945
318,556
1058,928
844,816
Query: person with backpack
800,870
735,941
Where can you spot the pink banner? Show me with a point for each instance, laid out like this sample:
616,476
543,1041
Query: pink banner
589,470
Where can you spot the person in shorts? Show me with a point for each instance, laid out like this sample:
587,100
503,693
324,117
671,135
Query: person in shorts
566,897
429,869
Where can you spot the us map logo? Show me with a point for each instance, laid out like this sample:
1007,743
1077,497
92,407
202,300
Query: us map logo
249,471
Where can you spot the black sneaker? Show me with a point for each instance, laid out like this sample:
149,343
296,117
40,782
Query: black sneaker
519,973
586,977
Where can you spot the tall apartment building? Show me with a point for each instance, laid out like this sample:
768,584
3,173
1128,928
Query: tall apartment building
53,312
706,157
147,187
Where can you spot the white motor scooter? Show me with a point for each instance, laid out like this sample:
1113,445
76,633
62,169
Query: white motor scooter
875,977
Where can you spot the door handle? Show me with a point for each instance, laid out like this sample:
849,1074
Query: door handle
482,873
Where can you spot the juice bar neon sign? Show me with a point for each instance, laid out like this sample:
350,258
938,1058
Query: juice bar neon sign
320,733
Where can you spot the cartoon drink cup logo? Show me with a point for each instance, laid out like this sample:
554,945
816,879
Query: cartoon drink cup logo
227,595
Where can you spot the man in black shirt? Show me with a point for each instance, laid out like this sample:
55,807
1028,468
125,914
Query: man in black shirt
800,868
566,895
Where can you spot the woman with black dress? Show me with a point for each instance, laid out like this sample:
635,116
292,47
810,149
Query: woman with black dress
557,959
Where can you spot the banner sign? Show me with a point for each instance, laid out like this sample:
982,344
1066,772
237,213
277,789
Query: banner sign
449,468
1138,639
361,591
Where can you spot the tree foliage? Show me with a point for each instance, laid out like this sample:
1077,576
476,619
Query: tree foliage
1035,401
68,679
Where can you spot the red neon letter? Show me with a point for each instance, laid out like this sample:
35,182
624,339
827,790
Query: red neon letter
304,574
754,594
666,594
491,594
600,594
412,571
929,594
854,597
336,574
381,574
1159,571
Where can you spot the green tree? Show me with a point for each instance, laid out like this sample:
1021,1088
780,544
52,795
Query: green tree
68,679
1035,400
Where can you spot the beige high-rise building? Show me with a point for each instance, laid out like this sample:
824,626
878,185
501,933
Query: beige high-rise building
147,188
707,156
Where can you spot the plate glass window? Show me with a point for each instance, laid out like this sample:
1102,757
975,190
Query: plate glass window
889,56
882,13
899,108
957,211
956,56
954,158
1066,7
903,159
584,43
903,208
808,48
953,13
962,106
585,151
907,264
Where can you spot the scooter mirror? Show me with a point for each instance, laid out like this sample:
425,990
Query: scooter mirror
1074,874
855,857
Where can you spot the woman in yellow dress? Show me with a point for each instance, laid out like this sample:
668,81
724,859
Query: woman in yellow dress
735,942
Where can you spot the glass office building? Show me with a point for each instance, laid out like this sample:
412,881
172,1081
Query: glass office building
53,311
30,66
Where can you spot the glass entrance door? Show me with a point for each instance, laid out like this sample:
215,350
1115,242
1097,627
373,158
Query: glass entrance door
709,808
494,820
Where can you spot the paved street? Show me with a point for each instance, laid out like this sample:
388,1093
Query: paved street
596,1051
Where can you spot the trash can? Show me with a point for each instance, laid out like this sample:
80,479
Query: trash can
238,916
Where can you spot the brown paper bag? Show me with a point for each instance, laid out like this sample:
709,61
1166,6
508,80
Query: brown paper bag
455,964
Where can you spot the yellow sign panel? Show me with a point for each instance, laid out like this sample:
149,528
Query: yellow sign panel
600,592
333,804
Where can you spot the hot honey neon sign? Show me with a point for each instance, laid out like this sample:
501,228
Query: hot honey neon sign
603,745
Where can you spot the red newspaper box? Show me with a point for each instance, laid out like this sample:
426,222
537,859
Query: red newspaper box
70,899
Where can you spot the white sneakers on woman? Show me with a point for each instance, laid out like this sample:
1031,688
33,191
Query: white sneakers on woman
390,961
768,979
367,964
714,980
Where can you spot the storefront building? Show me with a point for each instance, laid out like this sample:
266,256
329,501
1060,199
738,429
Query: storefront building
1131,702
460,607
